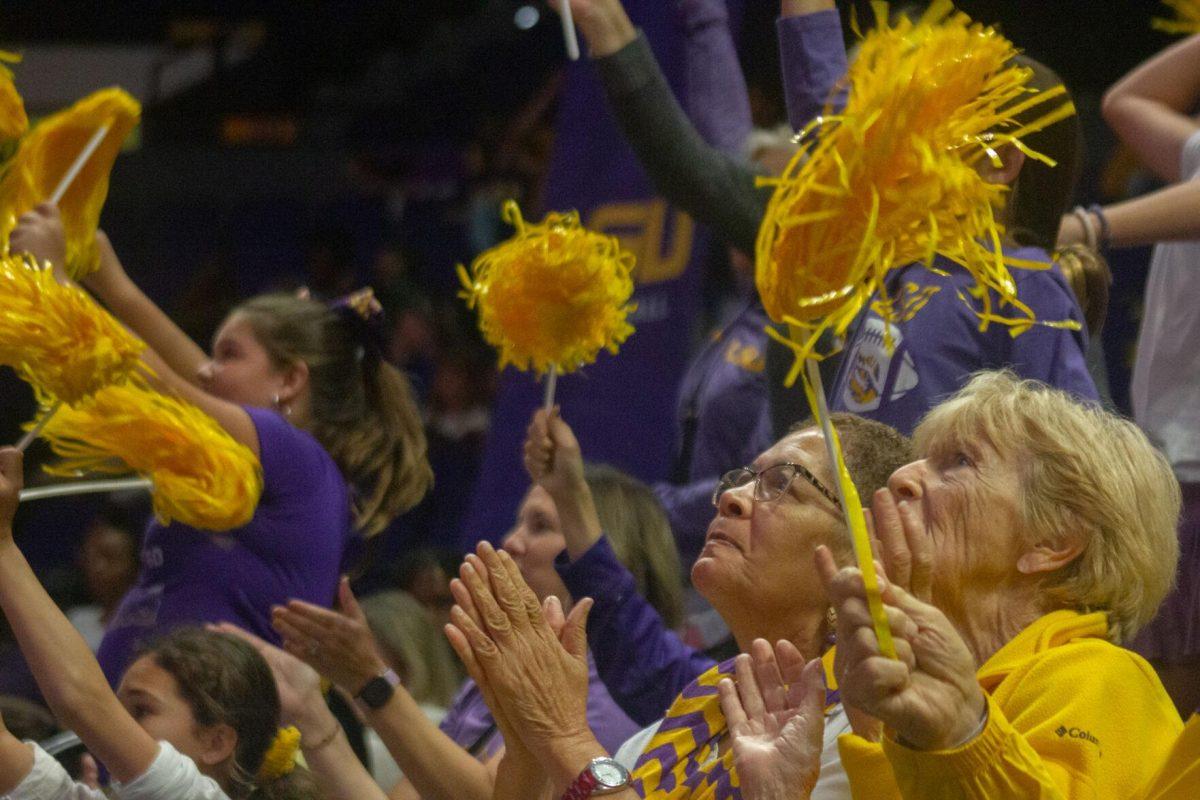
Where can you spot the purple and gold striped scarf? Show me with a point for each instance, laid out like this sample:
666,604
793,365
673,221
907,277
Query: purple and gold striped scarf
683,760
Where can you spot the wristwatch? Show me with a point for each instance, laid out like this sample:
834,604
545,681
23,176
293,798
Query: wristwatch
377,691
601,776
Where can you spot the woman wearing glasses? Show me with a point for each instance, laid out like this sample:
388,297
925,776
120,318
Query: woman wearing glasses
756,570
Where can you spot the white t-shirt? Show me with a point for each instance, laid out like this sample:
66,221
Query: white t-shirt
833,784
1165,388
171,776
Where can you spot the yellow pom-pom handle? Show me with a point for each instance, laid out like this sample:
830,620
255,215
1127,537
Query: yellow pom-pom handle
200,474
893,178
552,296
57,338
280,759
45,157
1186,21
856,521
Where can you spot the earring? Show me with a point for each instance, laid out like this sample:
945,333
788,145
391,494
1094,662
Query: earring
275,400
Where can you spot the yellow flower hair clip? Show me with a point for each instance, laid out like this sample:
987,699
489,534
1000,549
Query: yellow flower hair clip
280,759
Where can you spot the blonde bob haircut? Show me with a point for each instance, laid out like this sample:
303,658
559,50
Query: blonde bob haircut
1082,470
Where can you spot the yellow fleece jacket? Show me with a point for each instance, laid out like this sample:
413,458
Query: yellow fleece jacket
1179,778
1070,715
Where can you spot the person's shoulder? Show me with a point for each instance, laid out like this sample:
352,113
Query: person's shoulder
1091,662
170,775
288,451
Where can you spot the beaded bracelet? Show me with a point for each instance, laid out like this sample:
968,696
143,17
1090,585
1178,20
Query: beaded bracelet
1105,231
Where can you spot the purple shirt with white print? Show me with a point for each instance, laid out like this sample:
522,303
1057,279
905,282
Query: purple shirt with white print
292,548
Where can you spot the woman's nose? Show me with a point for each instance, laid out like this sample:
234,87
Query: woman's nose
513,544
906,483
736,502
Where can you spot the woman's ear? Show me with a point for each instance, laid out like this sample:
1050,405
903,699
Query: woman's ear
1011,161
219,743
295,382
1049,556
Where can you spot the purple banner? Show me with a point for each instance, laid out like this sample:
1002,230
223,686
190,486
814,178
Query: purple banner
622,408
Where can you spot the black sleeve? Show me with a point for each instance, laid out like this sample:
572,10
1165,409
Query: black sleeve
715,189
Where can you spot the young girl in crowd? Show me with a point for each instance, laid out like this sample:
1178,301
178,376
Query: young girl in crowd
304,387
195,716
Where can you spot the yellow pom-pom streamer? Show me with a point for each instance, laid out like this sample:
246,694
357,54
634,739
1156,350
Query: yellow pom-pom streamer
57,338
13,121
201,475
1187,17
280,759
46,155
554,295
892,180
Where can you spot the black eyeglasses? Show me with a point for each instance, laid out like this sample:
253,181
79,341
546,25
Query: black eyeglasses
771,482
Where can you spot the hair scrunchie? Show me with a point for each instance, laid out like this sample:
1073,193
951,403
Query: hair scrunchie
280,759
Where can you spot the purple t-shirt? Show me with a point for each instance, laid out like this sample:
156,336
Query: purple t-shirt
937,350
292,547
471,725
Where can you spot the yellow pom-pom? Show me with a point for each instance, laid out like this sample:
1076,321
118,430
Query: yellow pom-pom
13,121
201,475
893,179
554,295
280,759
56,337
1187,17
49,150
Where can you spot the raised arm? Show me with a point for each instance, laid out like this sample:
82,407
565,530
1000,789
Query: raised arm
712,186
175,359
812,55
16,760
715,97
642,662
63,664
1150,108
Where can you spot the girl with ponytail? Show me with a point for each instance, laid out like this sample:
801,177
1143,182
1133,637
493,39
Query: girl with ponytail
304,386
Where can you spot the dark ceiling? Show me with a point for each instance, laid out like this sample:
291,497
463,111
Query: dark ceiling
421,69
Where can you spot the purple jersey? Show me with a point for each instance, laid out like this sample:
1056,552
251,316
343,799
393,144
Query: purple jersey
292,547
937,350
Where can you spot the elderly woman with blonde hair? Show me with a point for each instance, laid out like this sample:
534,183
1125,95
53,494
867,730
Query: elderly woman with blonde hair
1052,530
1043,533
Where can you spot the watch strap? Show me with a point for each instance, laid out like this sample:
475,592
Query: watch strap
583,786
379,690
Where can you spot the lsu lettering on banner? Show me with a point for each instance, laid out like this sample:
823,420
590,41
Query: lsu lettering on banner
621,408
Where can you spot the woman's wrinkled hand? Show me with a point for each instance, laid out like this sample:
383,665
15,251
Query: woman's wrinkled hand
776,719
928,695
537,682
339,645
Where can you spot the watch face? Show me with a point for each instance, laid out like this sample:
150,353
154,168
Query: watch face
609,774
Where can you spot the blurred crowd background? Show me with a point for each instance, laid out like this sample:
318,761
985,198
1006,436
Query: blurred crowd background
340,144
